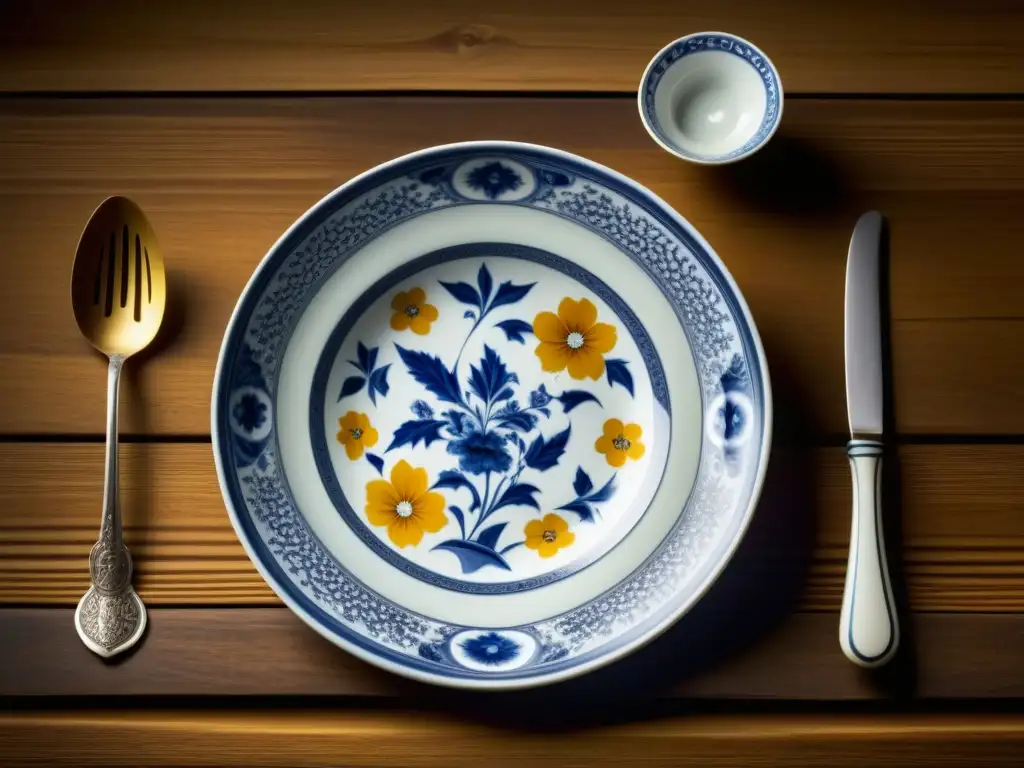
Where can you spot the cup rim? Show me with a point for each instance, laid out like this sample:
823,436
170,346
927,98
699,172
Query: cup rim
705,160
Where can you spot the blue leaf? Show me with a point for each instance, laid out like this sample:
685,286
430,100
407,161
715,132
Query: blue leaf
606,492
376,461
520,495
485,283
619,374
411,432
505,394
554,178
429,371
379,383
464,292
422,410
510,294
351,385
454,479
582,484
470,314
490,378
581,508
367,357
489,536
456,422
512,546
520,420
460,518
544,454
514,329
545,411
735,378
573,397
540,397
433,175
431,652
473,556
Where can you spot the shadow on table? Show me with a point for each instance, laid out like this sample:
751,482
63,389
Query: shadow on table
790,176
759,588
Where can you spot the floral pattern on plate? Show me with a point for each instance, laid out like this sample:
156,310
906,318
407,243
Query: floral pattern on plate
505,406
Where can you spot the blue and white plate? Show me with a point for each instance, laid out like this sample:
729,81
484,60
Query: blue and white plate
490,415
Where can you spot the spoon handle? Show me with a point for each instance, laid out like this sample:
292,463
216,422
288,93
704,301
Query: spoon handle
110,617
110,565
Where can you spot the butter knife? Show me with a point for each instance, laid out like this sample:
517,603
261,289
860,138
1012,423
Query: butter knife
868,628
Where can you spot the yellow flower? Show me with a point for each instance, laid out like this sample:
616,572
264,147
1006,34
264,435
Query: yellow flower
549,535
620,441
356,434
412,311
573,339
405,505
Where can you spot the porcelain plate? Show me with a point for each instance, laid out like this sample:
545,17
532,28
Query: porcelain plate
490,415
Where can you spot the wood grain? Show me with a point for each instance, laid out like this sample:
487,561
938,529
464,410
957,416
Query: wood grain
221,179
962,534
881,46
722,652
417,738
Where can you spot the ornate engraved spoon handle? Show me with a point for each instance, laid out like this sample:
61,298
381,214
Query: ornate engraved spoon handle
110,565
110,617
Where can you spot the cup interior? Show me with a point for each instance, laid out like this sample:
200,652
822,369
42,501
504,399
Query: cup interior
711,99
710,103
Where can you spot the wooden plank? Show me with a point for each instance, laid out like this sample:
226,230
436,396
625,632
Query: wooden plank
715,652
962,534
874,46
416,738
222,179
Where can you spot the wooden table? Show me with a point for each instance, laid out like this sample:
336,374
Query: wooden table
226,124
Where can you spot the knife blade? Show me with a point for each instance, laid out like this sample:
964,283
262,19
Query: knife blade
864,329
868,629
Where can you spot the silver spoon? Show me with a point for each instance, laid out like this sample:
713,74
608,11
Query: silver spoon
118,293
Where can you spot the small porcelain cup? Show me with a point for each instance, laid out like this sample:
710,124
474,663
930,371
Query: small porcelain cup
710,98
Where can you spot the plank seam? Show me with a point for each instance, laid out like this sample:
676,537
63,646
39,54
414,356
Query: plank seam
1008,96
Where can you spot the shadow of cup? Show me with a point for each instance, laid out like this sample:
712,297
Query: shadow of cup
790,176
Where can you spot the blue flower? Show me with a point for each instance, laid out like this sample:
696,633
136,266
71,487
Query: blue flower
493,179
250,412
539,397
421,410
481,452
491,648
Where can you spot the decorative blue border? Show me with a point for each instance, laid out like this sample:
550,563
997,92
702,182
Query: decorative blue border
738,47
318,396
721,336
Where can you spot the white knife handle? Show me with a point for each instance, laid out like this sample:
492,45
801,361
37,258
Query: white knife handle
868,631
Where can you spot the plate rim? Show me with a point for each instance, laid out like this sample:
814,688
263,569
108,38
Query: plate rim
221,371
